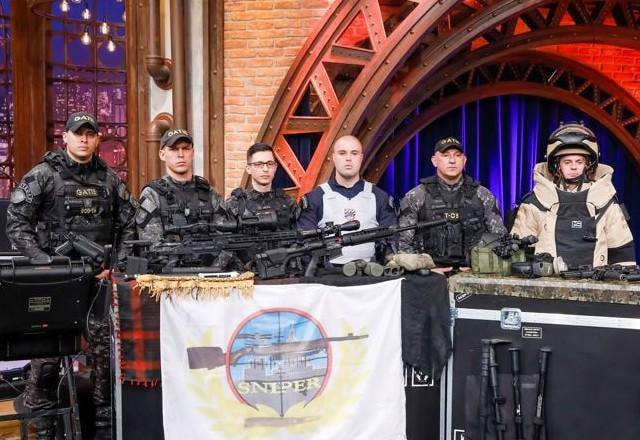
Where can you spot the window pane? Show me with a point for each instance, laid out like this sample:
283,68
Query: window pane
88,77
6,103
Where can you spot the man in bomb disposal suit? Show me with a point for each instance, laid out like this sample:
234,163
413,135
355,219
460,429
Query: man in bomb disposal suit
179,198
451,195
262,166
573,209
72,190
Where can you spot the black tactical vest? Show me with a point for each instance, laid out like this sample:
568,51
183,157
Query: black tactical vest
451,244
181,206
575,232
84,203
275,200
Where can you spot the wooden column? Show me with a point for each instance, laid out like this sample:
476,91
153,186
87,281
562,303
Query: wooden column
138,158
28,56
214,93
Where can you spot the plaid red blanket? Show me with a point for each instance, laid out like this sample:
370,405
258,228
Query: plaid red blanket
138,335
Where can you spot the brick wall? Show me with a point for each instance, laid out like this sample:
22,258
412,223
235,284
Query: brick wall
620,64
262,38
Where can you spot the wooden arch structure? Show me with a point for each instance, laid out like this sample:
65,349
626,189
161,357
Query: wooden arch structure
369,63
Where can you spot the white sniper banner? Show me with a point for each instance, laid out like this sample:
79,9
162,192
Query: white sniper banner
297,361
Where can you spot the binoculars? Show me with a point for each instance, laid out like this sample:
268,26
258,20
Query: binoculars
370,268
361,267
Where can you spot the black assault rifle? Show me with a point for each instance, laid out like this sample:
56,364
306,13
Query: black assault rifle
615,272
274,263
263,220
211,251
98,255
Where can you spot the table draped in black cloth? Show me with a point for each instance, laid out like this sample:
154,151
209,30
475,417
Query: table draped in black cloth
426,317
426,346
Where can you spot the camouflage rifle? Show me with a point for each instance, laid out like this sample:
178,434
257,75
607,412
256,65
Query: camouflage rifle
274,263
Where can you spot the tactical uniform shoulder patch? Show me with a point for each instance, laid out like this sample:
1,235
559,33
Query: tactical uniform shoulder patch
142,218
22,194
148,205
145,212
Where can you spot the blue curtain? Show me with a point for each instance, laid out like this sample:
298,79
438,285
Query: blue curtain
504,137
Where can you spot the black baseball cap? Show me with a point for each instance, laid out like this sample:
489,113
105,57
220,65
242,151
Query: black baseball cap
170,137
446,143
79,119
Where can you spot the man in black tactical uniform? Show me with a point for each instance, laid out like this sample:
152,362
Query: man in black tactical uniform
72,190
453,195
262,166
179,198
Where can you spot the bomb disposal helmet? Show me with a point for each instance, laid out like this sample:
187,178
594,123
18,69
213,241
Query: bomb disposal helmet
572,138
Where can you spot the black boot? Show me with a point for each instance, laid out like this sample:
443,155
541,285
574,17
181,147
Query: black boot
45,427
103,422
45,433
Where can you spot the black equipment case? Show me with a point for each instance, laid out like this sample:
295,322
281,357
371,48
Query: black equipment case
43,306
592,387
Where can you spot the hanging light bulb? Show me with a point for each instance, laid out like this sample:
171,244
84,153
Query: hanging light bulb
104,28
124,16
86,13
111,45
85,38
64,6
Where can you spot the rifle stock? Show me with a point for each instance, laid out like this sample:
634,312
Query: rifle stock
275,262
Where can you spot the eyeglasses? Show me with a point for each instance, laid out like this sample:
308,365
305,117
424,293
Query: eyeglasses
258,165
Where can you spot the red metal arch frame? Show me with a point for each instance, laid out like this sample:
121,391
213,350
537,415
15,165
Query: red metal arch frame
391,149
400,64
616,102
387,121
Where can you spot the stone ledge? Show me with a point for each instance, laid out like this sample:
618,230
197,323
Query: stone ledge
615,292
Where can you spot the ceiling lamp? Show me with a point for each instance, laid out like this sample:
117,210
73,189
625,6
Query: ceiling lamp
85,38
111,45
104,28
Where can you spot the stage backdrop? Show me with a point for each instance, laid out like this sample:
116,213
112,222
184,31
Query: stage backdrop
504,138
291,362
